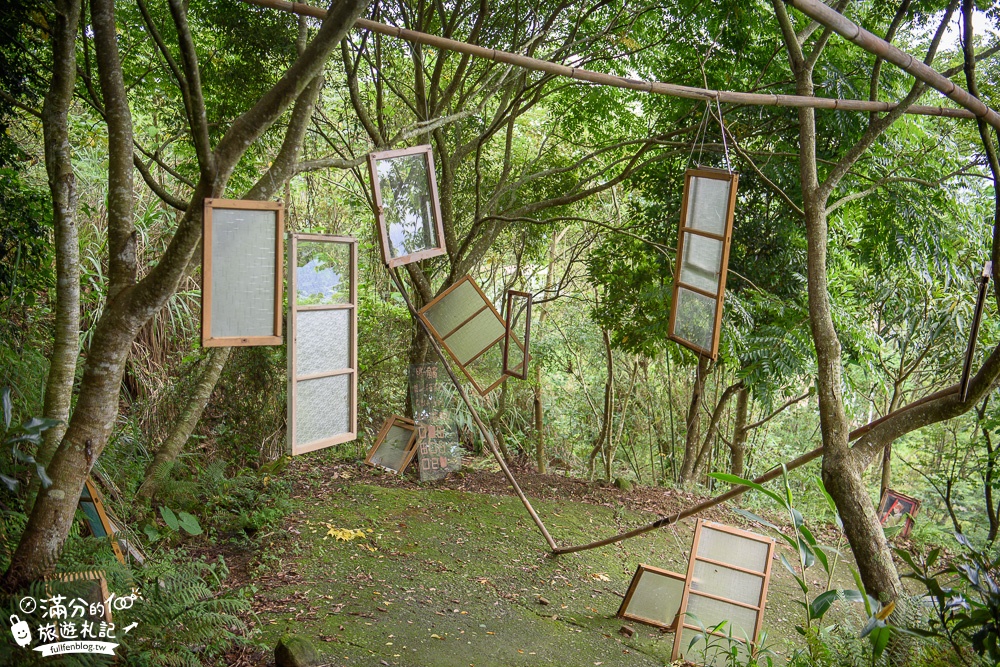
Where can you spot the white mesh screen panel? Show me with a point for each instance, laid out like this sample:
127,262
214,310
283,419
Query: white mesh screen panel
727,582
708,205
392,451
322,341
455,307
323,408
487,369
475,335
404,186
322,273
243,272
733,549
695,318
712,612
656,597
702,262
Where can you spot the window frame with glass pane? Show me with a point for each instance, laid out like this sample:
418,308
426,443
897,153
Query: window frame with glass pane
513,297
317,368
239,272
688,272
637,586
432,222
395,421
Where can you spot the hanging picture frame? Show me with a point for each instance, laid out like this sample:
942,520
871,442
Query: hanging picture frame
395,446
897,510
404,189
467,325
323,341
977,317
241,273
703,242
516,356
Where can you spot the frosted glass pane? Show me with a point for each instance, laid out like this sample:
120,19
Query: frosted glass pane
708,205
711,612
323,273
695,319
656,598
726,582
455,307
702,262
715,655
393,449
732,549
406,201
322,341
434,410
488,368
475,336
243,270
322,408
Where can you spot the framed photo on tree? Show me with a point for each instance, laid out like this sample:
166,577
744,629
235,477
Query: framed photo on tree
897,511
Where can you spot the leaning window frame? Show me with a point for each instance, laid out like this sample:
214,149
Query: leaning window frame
634,584
411,444
383,233
207,339
512,295
725,238
293,309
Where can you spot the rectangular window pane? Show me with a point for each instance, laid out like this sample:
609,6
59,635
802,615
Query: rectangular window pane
455,307
695,318
733,549
475,336
322,273
702,263
243,272
488,368
394,448
727,582
434,404
712,612
656,597
708,204
322,341
323,409
714,655
406,201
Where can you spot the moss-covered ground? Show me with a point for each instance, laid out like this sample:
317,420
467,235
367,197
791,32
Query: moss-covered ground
446,578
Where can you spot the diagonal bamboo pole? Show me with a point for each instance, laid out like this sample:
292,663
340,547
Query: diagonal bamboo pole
487,435
600,78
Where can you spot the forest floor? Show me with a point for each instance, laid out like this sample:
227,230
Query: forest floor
451,574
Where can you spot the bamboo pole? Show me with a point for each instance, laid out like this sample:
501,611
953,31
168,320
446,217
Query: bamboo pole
852,32
654,87
487,435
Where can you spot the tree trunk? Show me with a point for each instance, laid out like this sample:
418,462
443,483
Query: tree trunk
692,440
603,440
737,449
713,427
540,457
163,461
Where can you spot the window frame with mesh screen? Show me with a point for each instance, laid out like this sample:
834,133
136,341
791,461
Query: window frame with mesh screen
383,231
211,270
411,445
511,298
695,558
623,611
351,370
725,238
442,338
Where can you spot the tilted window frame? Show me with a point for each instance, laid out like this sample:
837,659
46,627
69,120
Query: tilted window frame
352,370
411,444
526,346
207,339
725,238
97,500
383,232
634,584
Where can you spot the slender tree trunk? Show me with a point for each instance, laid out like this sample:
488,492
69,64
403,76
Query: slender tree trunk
540,457
713,427
602,442
737,450
159,468
692,440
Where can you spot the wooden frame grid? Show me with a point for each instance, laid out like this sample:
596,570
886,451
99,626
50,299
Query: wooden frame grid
411,444
97,576
512,296
207,339
109,528
884,507
623,609
442,337
352,370
383,232
725,238
765,577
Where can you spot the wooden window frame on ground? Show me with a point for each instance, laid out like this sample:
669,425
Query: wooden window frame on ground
636,578
725,238
411,444
207,338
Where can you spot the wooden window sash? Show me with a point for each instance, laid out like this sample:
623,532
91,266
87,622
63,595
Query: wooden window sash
411,444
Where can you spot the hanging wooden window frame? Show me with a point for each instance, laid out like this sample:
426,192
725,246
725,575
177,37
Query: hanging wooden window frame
411,444
725,238
383,233
623,609
106,524
513,295
977,318
207,339
442,338
352,370
678,650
